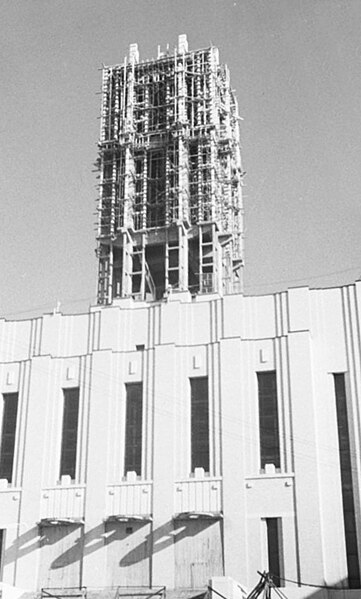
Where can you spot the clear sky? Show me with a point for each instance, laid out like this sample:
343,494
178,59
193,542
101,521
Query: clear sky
296,68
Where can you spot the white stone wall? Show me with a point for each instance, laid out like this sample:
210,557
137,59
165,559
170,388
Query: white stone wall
305,335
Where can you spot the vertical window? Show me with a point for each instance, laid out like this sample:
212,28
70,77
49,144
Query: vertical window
2,542
274,548
70,432
346,483
268,418
199,423
133,428
8,431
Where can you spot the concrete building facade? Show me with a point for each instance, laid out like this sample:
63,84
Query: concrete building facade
170,524
180,430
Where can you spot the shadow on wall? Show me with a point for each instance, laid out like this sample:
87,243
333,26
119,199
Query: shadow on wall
158,540
84,545
35,538
23,545
155,541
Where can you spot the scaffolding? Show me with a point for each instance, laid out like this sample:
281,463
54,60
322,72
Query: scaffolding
170,201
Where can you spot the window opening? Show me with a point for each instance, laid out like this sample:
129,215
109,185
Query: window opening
199,423
133,428
8,432
346,482
274,549
268,419
70,433
2,548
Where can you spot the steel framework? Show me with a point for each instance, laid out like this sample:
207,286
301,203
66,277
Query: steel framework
170,201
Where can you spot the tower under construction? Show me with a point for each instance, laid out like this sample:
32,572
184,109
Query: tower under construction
170,201
172,449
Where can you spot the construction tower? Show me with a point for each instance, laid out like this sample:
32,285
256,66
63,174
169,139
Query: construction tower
170,177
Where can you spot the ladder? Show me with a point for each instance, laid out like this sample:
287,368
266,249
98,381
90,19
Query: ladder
105,274
172,264
141,278
206,261
127,265
176,260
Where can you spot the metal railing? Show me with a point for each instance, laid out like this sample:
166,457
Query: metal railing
144,592
63,592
